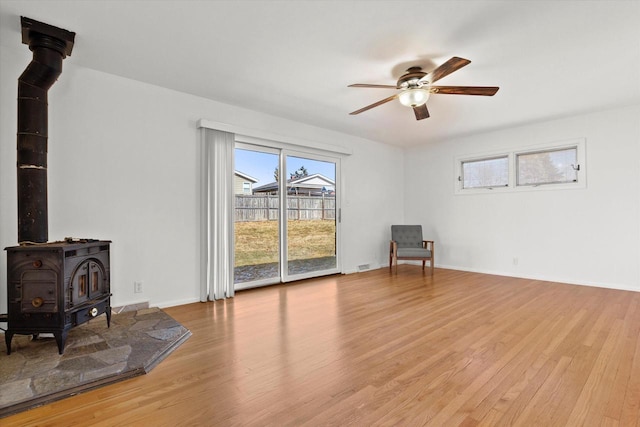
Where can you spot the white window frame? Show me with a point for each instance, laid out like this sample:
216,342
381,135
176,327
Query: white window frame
484,158
581,174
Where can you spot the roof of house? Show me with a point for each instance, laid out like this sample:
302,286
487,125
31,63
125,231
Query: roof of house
245,176
315,181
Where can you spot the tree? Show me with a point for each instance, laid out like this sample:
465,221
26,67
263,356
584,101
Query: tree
300,173
538,168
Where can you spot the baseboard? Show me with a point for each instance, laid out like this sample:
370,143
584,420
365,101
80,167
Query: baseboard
174,303
544,278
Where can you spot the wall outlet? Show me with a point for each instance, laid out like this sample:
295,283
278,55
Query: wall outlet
137,287
515,260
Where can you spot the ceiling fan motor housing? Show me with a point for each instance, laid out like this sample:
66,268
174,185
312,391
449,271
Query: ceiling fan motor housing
411,79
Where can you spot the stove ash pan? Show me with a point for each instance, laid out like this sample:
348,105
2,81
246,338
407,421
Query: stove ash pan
53,287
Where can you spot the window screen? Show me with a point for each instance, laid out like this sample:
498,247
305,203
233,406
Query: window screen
547,167
485,173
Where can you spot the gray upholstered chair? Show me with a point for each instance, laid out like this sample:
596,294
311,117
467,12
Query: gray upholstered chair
407,244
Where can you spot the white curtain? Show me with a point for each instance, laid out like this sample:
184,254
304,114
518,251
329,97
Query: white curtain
217,212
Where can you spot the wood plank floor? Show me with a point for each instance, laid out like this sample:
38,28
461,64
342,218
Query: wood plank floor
375,348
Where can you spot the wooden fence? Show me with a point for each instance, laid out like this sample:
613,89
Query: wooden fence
265,207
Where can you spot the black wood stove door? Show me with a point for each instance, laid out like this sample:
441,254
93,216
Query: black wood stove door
39,291
87,281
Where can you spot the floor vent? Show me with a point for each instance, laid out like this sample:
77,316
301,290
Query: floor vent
364,267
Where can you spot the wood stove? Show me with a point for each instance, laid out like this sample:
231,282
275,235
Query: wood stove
51,286
55,286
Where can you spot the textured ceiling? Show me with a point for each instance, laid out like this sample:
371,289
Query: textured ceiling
294,59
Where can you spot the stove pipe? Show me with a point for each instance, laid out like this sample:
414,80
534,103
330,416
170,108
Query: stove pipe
50,45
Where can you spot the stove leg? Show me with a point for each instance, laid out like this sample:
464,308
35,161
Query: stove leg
8,336
108,313
61,338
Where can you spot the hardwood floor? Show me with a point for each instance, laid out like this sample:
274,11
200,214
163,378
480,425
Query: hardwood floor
377,348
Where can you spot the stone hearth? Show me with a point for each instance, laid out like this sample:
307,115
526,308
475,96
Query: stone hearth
35,374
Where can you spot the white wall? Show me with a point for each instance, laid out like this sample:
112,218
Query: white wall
589,236
123,166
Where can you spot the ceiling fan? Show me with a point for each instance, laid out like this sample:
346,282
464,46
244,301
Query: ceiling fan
415,87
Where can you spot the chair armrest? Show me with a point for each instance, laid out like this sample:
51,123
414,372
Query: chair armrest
428,244
393,246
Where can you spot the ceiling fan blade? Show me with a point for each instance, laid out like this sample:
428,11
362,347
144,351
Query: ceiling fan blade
421,112
375,104
447,68
374,86
465,90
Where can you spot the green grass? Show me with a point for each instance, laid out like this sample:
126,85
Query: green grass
257,241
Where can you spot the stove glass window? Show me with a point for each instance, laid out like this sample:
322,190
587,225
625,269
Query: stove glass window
82,285
94,281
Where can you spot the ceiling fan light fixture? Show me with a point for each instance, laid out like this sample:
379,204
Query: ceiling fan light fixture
414,97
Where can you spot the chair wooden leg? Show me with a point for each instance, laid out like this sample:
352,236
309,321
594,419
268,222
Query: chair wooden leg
423,262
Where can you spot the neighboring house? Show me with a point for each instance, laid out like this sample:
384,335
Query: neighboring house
243,183
311,185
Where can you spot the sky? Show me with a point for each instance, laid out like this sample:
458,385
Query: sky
262,165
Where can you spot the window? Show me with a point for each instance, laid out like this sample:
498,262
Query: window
558,166
246,187
485,173
550,166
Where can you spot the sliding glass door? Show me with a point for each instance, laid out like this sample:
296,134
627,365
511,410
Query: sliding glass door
311,232
257,217
286,216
